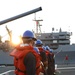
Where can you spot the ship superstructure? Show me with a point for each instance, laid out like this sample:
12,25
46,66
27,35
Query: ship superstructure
54,39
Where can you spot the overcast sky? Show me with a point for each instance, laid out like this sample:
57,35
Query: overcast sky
55,13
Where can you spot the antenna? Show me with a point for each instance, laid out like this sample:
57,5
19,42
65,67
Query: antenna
38,25
38,28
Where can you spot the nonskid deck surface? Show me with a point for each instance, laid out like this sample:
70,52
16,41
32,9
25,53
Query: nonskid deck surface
6,69
61,70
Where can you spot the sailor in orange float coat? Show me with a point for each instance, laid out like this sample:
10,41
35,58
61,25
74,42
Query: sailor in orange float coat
26,60
43,56
51,61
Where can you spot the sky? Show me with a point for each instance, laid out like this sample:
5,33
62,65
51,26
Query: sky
55,13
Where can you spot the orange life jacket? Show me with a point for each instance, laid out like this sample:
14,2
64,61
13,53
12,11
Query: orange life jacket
45,62
40,50
19,54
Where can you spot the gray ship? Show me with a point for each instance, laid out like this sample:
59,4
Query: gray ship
60,43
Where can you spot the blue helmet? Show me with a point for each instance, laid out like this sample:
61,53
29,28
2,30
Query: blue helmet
47,48
28,34
37,50
50,50
44,48
38,42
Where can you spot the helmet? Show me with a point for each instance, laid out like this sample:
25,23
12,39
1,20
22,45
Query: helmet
51,50
47,48
28,34
44,48
37,50
38,42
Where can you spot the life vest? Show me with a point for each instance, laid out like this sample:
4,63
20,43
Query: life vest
51,63
45,63
19,54
40,49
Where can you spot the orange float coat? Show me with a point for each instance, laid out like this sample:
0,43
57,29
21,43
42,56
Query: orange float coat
19,54
44,62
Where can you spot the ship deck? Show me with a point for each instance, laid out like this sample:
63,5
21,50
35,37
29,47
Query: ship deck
61,70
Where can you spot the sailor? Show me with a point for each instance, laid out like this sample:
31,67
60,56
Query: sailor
51,61
43,56
41,69
66,59
26,60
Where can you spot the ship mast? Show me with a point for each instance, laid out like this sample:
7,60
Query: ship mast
38,28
